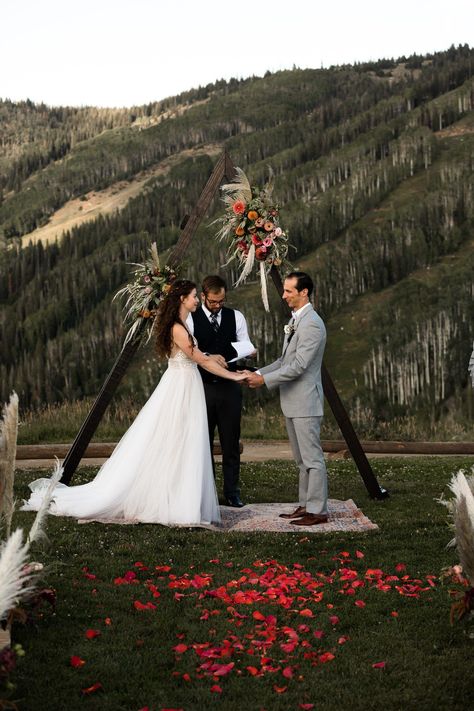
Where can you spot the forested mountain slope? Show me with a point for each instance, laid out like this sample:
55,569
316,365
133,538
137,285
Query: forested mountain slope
374,171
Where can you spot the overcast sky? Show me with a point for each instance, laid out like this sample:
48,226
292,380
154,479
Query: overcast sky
126,52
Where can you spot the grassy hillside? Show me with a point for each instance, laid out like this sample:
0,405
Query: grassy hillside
373,168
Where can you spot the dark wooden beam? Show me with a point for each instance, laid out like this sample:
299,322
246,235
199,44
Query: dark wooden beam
98,408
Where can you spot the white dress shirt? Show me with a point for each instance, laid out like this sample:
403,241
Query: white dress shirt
296,314
241,330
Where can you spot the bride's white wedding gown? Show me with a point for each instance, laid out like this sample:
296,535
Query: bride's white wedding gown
160,471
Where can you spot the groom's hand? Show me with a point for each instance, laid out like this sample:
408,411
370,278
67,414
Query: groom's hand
254,380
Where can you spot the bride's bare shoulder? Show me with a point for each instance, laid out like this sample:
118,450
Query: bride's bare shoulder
178,331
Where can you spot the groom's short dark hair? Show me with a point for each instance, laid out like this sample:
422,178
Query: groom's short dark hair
303,281
213,283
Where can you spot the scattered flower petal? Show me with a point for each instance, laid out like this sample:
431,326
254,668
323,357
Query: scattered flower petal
76,662
92,689
91,634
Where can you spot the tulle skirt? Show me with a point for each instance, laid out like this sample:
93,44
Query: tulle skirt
160,471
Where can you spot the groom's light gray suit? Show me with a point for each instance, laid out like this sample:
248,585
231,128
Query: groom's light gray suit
298,375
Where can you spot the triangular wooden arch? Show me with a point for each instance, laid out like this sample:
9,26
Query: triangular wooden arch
224,169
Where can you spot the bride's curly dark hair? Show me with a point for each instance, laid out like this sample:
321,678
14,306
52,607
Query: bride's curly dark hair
168,315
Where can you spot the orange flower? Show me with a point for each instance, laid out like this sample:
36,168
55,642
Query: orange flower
252,215
268,226
239,231
238,207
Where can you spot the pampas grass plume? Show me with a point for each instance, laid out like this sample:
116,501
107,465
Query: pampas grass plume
37,528
13,575
464,522
8,440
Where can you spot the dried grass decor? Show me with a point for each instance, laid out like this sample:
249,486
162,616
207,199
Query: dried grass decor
8,440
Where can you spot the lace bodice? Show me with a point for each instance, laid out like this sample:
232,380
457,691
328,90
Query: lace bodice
181,360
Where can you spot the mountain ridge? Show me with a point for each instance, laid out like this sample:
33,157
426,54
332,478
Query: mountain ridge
375,182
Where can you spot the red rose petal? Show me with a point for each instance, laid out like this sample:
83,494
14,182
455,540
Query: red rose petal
253,671
279,689
379,665
359,603
143,606
90,634
76,662
92,689
326,657
216,689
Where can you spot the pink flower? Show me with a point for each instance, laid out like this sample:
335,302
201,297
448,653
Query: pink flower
238,207
278,232
267,242
146,279
148,290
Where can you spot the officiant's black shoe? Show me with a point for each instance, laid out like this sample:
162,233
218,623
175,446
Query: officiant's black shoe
235,502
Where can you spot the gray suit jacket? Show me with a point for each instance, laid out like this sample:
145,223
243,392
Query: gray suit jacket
298,370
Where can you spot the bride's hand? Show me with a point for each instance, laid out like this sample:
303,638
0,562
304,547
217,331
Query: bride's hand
240,377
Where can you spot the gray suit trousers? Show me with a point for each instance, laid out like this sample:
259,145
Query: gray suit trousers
304,436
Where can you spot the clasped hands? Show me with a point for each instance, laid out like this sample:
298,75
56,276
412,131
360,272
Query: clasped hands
253,380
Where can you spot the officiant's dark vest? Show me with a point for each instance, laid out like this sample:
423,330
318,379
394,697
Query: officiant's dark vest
211,341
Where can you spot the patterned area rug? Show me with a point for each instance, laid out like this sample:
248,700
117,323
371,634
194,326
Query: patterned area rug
343,516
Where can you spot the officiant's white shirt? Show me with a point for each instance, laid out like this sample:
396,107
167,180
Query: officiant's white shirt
241,330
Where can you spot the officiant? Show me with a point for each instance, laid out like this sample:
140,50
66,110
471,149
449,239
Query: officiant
222,332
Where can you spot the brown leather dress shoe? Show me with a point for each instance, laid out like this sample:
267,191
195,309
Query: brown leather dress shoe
297,513
310,519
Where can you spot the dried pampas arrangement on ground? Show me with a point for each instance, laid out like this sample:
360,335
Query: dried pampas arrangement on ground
461,510
8,439
16,573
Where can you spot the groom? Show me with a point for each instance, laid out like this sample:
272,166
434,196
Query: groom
298,375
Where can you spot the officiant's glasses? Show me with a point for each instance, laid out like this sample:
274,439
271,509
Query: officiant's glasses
214,302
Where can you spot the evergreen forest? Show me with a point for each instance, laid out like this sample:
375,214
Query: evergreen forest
373,169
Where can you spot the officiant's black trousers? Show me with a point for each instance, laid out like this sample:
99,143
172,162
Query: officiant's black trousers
224,408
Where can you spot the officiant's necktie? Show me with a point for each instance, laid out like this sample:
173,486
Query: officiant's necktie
214,322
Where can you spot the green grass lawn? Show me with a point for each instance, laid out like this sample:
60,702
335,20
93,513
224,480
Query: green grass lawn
275,606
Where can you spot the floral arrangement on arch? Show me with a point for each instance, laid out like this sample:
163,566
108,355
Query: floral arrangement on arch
143,295
251,225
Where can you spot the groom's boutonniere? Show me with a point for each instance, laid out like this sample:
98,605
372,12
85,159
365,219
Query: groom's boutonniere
289,329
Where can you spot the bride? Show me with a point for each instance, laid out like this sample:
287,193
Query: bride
161,470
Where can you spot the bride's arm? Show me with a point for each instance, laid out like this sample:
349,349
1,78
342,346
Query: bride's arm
181,339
